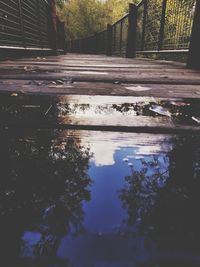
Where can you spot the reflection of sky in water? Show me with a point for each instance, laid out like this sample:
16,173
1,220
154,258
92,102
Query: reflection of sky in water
105,209
106,233
107,238
129,219
104,145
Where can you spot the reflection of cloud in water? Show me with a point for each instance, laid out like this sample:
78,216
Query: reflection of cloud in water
104,146
103,154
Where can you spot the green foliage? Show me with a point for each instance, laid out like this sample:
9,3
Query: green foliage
85,17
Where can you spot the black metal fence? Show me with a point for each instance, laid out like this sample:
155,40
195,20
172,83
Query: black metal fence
164,25
112,40
119,36
151,26
28,24
95,44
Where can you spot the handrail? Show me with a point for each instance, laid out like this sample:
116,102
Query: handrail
140,3
164,27
120,20
98,43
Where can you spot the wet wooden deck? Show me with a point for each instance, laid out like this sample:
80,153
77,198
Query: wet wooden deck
99,75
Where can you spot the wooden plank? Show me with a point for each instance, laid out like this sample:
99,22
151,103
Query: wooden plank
87,88
74,66
138,77
101,69
93,70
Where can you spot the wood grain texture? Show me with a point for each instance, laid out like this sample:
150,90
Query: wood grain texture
99,75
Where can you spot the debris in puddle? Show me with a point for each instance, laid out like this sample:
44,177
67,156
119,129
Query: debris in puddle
117,82
160,110
196,119
48,110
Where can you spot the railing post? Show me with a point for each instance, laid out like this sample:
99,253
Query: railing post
54,33
162,25
194,50
96,43
132,31
144,24
114,40
120,40
109,41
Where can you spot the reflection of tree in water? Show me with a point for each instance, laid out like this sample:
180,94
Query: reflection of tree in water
176,217
171,207
139,194
43,183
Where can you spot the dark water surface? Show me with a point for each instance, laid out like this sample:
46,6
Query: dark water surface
77,198
99,199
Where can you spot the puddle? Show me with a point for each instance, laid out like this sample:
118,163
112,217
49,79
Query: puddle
84,198
71,198
98,110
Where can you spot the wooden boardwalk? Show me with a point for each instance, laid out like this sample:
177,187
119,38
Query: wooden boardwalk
99,75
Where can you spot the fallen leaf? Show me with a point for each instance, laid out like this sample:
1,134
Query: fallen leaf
59,82
160,110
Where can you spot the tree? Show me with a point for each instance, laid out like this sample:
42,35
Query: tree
85,17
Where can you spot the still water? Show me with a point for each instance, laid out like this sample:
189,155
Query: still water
99,199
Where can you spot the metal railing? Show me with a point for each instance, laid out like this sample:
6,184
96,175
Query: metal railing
164,25
28,24
95,44
152,26
113,40
119,36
